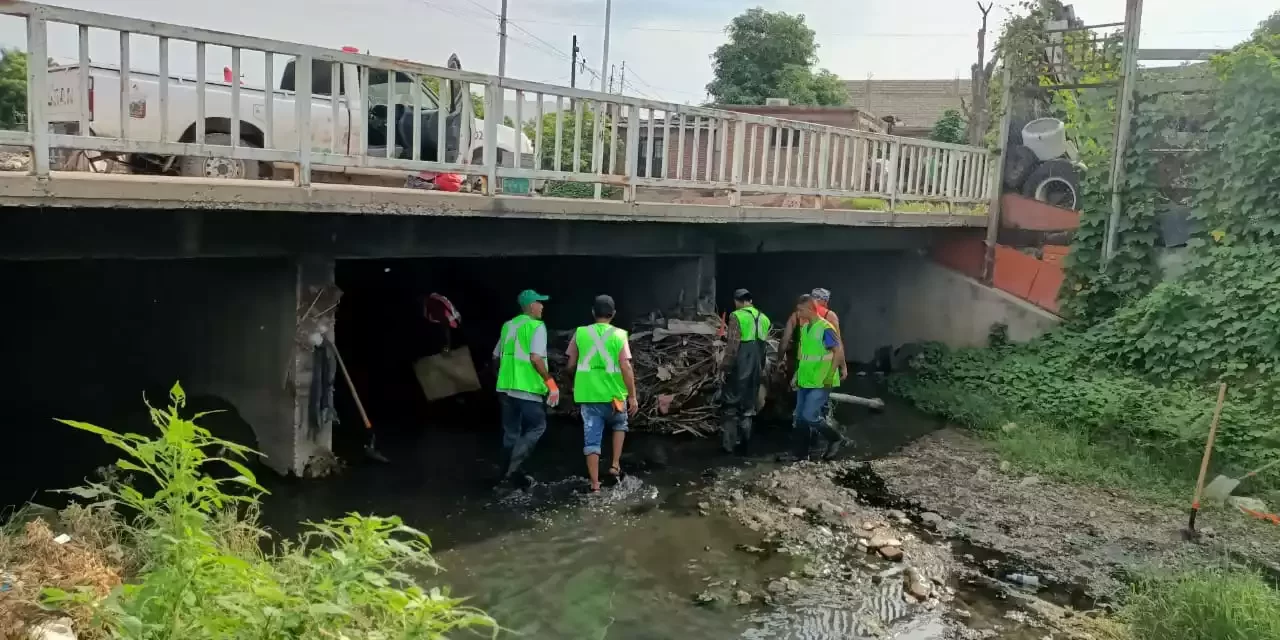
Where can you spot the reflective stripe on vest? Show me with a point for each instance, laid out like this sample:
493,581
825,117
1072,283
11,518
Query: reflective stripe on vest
598,347
754,320
816,368
598,377
515,368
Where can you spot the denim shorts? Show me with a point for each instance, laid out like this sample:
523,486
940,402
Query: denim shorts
594,418
810,404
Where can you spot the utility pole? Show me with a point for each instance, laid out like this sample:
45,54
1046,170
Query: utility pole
622,79
613,72
502,41
573,66
597,140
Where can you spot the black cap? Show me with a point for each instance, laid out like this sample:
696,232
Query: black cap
742,295
603,306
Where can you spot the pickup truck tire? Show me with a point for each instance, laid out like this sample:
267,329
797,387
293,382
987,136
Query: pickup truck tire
196,167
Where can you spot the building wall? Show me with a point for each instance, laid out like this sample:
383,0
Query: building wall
916,103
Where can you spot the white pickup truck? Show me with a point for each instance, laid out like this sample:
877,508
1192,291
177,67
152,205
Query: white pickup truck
144,113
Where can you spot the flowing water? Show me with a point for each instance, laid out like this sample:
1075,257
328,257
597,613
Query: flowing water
554,564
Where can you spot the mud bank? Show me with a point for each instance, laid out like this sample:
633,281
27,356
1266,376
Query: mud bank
868,567
1088,540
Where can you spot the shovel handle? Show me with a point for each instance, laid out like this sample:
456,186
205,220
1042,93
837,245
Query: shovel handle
351,386
1208,447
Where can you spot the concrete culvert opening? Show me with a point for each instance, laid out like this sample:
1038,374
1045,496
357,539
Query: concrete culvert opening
381,332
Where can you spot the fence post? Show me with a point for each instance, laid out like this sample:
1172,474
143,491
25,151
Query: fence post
38,94
633,151
492,100
735,168
303,107
895,148
824,168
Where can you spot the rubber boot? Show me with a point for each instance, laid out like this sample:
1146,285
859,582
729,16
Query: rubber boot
729,435
744,435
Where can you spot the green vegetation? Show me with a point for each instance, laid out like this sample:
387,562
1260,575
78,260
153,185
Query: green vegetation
13,88
1204,605
949,128
201,573
771,55
568,128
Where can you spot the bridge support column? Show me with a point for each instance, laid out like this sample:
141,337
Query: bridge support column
313,370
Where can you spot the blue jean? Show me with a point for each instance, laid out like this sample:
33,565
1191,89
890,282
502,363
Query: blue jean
523,422
810,404
595,416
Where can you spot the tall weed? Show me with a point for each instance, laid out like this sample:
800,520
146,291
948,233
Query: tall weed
203,575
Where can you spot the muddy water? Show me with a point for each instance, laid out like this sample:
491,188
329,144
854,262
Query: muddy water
554,564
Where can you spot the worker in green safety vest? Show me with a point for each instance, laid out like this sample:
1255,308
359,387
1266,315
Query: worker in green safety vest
820,366
744,361
525,386
604,386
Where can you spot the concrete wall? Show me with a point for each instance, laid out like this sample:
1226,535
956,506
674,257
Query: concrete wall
884,298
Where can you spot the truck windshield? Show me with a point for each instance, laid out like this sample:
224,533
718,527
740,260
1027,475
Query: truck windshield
404,90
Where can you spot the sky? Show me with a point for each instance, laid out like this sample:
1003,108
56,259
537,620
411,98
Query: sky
666,44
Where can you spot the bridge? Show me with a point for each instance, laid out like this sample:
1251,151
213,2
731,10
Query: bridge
225,282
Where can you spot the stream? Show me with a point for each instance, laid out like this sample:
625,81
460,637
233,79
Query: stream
628,564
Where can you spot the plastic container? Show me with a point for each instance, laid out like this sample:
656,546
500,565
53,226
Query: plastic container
1046,137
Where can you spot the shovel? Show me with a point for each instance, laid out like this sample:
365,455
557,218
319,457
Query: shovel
1222,486
1189,532
371,447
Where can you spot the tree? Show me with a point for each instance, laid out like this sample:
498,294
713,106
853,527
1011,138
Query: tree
1268,27
547,161
13,88
978,110
949,128
771,55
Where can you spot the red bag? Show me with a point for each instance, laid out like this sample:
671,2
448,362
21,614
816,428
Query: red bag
449,182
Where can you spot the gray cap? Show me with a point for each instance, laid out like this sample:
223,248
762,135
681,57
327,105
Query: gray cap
603,306
819,293
742,295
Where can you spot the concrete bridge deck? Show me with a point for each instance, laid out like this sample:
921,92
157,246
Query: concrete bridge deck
122,191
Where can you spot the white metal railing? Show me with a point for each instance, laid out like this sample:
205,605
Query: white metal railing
577,135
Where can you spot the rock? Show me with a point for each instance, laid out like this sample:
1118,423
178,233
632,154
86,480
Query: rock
862,546
895,514
796,511
904,521
704,506
706,598
887,573
1005,466
868,526
1009,427
891,553
742,598
59,629
746,548
738,497
1029,481
932,519
707,548
1245,502
1025,579
917,585
883,541
779,586
810,572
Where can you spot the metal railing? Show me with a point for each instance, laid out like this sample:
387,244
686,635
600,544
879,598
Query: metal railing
575,135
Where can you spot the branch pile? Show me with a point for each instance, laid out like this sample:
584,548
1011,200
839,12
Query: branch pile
678,376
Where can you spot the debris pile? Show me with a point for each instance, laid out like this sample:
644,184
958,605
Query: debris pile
34,558
678,372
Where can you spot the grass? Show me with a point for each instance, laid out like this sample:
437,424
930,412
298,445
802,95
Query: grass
1077,457
1209,604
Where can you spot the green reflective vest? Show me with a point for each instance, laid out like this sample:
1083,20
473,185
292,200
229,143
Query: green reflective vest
755,325
599,374
816,366
515,369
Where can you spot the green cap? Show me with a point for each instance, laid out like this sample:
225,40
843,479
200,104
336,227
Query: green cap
529,296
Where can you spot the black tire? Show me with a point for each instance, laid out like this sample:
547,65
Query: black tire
1016,124
1054,182
1019,162
196,167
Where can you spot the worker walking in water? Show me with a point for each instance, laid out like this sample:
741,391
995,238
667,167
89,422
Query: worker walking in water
525,386
604,386
744,361
820,367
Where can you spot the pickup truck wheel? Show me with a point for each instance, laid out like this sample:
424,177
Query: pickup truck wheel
230,168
